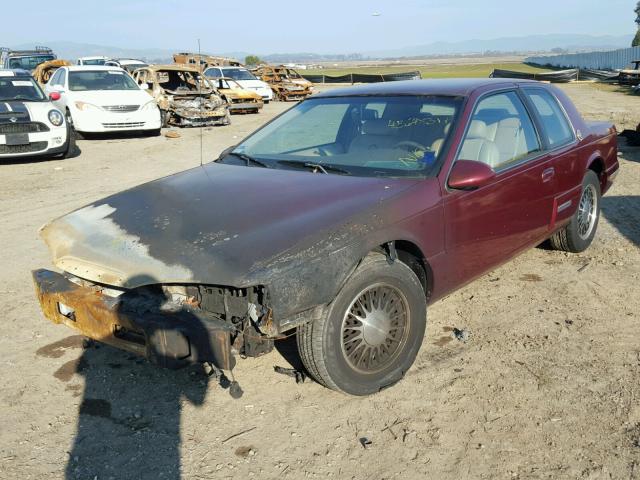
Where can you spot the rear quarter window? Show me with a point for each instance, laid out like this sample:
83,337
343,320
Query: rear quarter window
557,130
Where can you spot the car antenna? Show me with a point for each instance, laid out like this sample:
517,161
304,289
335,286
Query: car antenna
201,102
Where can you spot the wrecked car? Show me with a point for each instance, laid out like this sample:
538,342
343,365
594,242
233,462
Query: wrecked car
340,221
630,76
203,61
45,71
240,100
287,84
185,97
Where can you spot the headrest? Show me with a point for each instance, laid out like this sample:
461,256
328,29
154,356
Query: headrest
477,129
369,114
377,127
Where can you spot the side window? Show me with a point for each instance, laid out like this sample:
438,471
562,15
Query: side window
557,129
55,80
63,78
501,132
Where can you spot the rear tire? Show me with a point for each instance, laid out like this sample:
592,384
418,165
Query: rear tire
579,233
372,331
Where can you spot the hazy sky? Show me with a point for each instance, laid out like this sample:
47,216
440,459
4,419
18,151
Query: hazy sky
324,26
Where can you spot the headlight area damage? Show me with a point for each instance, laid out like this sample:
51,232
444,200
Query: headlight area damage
171,325
196,111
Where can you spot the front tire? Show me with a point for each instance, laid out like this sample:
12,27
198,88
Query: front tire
579,233
372,332
70,152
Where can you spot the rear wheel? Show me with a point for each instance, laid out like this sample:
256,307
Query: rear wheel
372,332
579,233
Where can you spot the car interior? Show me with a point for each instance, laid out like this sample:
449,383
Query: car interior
499,136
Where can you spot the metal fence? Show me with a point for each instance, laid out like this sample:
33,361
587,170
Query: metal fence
612,60
363,77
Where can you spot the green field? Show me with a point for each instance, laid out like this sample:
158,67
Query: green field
432,71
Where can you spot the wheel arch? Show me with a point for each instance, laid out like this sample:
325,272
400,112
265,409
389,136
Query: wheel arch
410,254
596,165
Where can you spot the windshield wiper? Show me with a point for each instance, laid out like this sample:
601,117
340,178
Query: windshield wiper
324,168
248,158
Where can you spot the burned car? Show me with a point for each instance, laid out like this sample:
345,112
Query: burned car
45,71
287,84
240,100
203,61
340,221
185,97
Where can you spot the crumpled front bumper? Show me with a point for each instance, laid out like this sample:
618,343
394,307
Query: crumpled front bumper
171,339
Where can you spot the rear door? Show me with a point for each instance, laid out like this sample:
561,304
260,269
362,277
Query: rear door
487,226
560,140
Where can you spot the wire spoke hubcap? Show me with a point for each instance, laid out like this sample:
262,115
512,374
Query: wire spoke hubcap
375,328
587,211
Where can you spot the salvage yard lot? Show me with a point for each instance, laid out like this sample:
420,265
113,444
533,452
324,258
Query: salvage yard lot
547,385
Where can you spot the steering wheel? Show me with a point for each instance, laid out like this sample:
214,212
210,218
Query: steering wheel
409,145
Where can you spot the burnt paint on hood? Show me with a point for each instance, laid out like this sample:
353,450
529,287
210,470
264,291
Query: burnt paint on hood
216,224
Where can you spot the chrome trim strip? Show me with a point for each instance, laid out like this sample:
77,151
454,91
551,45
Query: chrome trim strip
564,206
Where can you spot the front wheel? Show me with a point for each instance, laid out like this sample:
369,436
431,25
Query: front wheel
579,233
372,331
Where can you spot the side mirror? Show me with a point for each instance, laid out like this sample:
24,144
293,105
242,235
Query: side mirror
54,96
144,86
470,175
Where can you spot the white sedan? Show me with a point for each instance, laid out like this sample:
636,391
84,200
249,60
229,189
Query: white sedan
244,77
103,99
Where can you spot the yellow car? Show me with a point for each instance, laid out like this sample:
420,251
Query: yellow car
240,99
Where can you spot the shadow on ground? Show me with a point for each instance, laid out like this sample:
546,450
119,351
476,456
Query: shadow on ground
623,212
130,412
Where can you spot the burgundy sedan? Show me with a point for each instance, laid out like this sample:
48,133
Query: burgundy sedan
341,221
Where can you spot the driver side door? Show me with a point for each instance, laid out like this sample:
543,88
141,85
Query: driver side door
489,225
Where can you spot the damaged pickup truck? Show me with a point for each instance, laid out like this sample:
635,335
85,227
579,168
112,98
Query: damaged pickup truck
340,221
185,97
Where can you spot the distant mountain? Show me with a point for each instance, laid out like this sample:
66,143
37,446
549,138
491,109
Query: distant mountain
533,43
529,44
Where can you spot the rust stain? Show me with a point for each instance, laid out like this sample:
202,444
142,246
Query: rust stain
57,349
76,389
442,341
531,277
67,370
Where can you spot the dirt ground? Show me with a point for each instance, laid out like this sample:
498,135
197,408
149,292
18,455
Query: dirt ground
547,386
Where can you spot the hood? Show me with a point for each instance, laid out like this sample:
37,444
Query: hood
111,97
252,83
216,224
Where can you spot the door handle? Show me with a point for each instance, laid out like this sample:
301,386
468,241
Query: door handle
548,174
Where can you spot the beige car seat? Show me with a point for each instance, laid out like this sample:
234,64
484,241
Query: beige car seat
478,147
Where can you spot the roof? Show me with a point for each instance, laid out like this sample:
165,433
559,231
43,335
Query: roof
87,68
178,67
129,61
93,57
4,72
453,87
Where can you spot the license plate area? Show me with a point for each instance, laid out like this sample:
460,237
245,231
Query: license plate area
17,139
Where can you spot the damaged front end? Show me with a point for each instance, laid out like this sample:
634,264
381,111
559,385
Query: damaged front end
172,326
196,111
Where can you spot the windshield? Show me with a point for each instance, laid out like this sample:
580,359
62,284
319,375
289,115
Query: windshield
29,62
238,74
94,61
20,88
132,67
366,136
101,80
183,81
